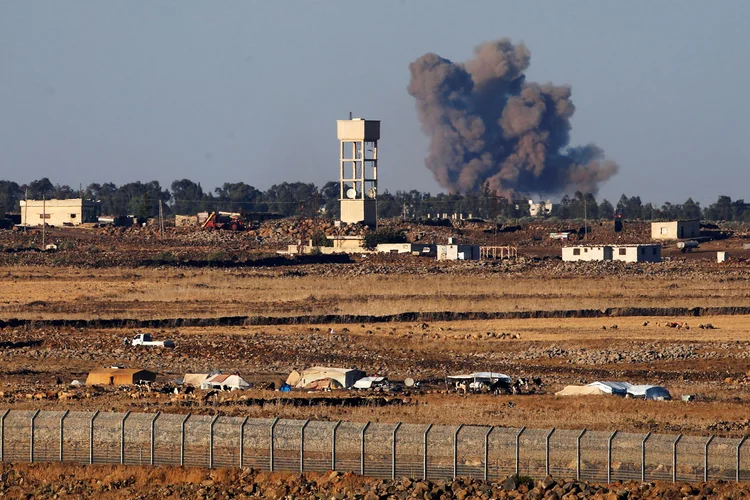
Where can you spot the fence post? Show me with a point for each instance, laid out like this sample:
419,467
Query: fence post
362,450
705,458
393,451
242,441
643,457
546,450
31,437
518,450
578,454
739,448
122,437
424,451
302,447
2,435
455,451
91,436
674,458
182,442
211,442
270,446
153,436
62,435
609,456
487,451
333,445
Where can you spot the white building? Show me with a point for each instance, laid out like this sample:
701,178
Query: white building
452,251
539,209
637,253
407,248
625,253
59,213
675,230
586,253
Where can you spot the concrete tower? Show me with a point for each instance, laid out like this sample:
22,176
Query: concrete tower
358,170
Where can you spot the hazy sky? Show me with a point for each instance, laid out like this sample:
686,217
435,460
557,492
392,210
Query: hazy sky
219,91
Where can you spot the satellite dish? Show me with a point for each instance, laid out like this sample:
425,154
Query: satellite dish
409,382
351,193
372,192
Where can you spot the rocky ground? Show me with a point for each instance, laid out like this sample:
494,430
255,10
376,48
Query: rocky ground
69,481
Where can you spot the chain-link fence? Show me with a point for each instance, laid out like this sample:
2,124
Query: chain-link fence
373,449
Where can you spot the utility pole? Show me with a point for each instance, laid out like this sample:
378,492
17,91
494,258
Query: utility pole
44,219
161,221
585,220
26,211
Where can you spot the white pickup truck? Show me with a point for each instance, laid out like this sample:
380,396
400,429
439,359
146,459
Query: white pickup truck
145,339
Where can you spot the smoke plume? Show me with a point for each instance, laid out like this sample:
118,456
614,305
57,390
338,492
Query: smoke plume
487,124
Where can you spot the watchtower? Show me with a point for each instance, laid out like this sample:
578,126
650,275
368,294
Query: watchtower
358,170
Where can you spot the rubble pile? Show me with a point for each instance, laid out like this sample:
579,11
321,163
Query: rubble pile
47,481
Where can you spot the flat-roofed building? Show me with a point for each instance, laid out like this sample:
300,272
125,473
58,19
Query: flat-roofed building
675,230
59,213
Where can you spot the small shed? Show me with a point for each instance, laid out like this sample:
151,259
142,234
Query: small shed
119,376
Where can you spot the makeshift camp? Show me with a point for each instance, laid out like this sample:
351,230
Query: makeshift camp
344,376
580,390
119,376
324,384
194,379
649,392
615,388
481,381
370,382
225,383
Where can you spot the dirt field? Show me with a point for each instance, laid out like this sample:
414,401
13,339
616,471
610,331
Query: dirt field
711,364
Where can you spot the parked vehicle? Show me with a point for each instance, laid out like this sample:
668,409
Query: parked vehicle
145,339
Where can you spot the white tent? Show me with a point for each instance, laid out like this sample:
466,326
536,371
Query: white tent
344,376
489,377
225,382
616,388
369,382
649,392
194,379
580,390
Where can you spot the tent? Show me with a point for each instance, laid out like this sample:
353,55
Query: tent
580,390
344,376
194,379
480,381
225,383
370,382
119,376
616,388
649,392
324,384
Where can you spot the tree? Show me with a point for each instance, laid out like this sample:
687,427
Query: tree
188,197
691,210
606,210
10,194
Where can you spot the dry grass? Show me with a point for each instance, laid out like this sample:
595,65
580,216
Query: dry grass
115,293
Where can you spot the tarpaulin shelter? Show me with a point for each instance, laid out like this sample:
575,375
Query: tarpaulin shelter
580,390
649,392
324,384
225,382
616,388
194,379
344,376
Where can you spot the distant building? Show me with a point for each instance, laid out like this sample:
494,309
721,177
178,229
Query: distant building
453,251
625,253
540,209
675,230
59,213
407,248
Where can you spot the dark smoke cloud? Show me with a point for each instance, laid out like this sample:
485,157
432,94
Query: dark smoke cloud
487,124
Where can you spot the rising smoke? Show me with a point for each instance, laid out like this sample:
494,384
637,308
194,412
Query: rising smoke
487,124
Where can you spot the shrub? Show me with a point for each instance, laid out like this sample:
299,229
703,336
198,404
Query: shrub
384,235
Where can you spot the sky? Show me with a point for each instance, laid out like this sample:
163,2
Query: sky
230,91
